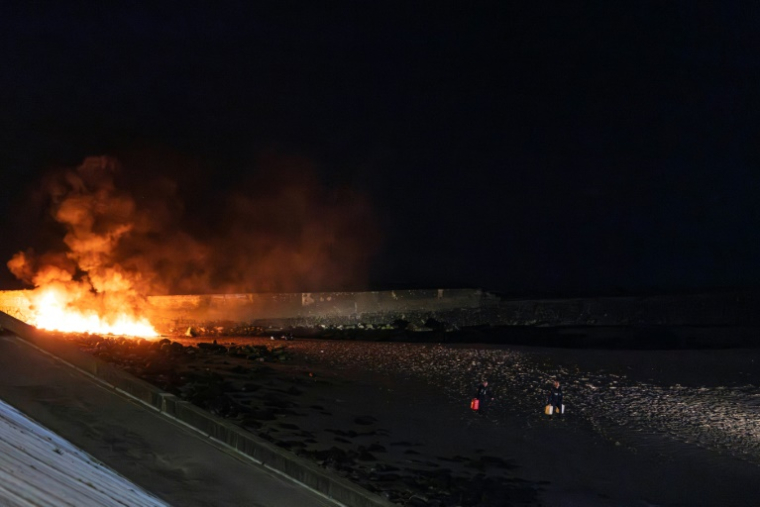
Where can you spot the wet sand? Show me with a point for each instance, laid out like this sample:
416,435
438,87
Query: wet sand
641,427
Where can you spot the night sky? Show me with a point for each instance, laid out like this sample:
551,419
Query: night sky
524,149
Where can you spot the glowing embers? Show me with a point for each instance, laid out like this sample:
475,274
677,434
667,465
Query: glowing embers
56,309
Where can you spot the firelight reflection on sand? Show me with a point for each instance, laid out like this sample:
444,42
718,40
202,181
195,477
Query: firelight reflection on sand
52,311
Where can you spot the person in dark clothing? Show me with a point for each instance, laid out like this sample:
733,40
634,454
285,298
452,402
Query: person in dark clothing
554,397
484,396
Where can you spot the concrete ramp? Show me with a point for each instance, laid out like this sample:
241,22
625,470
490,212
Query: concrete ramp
38,467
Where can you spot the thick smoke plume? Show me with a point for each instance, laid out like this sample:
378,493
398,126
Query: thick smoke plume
279,231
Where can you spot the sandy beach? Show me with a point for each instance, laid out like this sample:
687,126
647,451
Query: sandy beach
642,428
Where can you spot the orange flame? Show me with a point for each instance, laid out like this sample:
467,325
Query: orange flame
54,309
85,289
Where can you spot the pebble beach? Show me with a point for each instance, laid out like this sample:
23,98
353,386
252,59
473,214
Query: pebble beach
641,428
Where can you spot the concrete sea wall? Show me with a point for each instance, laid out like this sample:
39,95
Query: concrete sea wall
455,307
325,308
14,303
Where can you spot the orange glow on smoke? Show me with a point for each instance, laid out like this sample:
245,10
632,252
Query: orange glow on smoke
56,309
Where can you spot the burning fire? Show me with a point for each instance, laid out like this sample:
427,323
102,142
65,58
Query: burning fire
55,309
123,238
83,288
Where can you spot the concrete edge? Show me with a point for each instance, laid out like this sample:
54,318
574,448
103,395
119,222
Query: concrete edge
224,432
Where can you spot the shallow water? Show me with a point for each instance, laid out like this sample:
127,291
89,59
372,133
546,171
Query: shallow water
660,419
721,417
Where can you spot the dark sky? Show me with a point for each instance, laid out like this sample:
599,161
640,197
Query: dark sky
522,149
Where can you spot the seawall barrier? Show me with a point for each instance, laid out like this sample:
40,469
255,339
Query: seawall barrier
461,308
